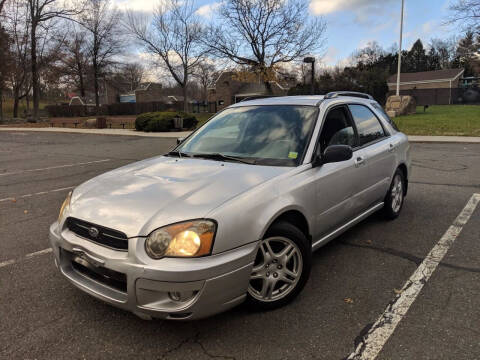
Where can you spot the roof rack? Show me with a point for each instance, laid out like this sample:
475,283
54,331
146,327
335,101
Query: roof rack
334,94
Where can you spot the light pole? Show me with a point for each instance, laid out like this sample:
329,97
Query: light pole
400,51
311,60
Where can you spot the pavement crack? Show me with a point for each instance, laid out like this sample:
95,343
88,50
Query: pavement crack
195,339
413,258
209,354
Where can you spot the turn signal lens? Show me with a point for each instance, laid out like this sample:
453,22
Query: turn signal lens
64,207
187,239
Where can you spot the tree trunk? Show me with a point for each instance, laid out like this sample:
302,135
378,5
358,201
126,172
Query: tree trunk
16,99
184,88
80,76
1,104
33,52
95,82
185,99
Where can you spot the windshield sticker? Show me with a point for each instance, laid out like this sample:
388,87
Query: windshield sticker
292,155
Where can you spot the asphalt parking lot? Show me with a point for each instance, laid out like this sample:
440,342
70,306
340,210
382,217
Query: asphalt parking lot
353,279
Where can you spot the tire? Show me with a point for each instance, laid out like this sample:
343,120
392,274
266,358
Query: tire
281,269
395,197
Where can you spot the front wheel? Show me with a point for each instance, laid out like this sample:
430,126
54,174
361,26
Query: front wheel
281,267
395,196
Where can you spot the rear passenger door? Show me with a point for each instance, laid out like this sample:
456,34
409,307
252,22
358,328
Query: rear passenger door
378,152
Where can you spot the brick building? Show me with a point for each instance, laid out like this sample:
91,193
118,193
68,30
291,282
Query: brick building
440,87
229,90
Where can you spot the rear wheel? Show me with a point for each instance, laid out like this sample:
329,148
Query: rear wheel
281,267
395,196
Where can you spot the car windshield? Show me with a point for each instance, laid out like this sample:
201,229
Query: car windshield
275,135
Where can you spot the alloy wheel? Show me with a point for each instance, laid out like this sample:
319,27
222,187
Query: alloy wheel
397,193
277,269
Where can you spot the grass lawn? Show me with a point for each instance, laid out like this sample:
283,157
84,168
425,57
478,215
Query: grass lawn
460,120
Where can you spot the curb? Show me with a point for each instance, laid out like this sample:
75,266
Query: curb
174,135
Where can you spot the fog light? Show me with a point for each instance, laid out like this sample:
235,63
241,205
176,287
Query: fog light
182,296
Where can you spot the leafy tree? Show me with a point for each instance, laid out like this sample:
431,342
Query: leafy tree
416,59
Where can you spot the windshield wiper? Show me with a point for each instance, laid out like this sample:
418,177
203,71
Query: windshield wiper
179,154
219,156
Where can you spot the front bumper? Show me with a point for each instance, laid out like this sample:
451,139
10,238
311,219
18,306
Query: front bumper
213,283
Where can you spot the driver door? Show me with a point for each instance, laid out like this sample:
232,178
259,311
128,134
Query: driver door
337,183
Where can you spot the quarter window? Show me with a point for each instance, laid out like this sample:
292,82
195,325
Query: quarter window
368,127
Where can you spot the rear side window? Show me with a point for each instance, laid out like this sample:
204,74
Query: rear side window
385,115
368,127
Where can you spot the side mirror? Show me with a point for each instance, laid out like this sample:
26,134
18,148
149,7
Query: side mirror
180,140
332,154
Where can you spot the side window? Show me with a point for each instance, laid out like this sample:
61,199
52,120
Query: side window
385,115
368,126
337,129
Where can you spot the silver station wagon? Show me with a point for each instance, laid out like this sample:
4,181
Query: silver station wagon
234,212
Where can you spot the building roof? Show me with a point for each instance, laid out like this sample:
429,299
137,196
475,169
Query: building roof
427,76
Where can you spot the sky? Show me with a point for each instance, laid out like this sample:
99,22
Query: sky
352,24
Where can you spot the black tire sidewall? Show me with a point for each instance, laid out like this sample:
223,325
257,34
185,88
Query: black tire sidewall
388,209
291,232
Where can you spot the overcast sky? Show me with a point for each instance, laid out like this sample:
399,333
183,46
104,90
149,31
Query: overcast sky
354,23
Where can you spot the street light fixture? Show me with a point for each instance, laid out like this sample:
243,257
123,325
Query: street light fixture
311,60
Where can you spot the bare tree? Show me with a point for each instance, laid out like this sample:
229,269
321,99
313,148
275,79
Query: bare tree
74,59
41,13
133,73
174,37
2,5
6,60
264,33
206,73
101,19
19,77
445,49
466,13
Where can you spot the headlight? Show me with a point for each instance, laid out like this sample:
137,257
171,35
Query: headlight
187,239
65,205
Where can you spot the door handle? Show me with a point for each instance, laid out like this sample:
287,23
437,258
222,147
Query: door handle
391,147
360,160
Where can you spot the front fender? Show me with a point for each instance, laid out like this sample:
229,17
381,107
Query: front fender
246,218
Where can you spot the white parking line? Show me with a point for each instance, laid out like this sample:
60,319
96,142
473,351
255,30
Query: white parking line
35,194
54,167
374,341
28,256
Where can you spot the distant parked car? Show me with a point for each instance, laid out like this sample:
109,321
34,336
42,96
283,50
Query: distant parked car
234,212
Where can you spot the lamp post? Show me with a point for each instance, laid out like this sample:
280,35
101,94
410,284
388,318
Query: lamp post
400,51
311,60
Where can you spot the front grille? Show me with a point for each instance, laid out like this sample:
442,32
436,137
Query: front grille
107,237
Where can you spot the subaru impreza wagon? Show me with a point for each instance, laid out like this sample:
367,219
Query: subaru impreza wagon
235,210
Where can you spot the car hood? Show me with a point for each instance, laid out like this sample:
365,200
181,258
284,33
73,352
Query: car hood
143,196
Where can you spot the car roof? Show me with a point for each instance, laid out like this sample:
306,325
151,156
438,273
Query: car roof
309,100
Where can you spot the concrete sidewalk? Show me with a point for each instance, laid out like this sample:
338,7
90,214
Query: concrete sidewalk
128,132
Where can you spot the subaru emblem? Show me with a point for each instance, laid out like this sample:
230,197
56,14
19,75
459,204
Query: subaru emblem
93,232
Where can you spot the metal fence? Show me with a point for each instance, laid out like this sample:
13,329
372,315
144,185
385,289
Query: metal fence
127,109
